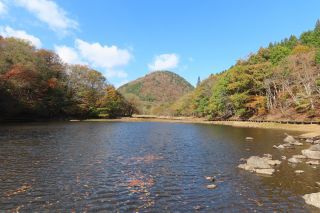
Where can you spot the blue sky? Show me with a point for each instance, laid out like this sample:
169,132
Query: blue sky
126,39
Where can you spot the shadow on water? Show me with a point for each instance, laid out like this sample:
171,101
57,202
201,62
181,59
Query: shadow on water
144,166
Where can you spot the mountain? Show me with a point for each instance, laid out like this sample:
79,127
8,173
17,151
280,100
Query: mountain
155,92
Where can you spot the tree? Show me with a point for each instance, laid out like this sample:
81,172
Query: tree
198,82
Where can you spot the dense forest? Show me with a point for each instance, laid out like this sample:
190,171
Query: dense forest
281,81
36,84
156,92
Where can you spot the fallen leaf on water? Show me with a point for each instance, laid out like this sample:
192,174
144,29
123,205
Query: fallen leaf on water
22,189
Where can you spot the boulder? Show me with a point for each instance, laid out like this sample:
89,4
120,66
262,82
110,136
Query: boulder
312,199
261,165
313,152
290,139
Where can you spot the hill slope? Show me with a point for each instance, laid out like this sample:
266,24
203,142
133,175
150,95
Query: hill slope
153,93
278,82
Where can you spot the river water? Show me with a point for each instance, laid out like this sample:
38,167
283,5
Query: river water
145,167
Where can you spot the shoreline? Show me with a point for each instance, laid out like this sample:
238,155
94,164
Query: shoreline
303,128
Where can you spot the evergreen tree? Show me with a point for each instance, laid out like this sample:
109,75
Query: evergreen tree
199,81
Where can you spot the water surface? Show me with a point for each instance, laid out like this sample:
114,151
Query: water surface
144,166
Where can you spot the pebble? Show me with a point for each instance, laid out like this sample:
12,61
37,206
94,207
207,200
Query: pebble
211,186
299,171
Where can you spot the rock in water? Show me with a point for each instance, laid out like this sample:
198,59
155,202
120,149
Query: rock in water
249,138
294,160
265,171
289,139
257,162
313,162
299,156
312,199
211,186
313,152
299,171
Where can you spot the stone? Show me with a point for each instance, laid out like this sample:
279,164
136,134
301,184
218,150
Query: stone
312,199
313,162
211,186
268,156
278,147
249,138
315,147
265,171
274,162
299,171
316,142
318,184
289,139
299,156
257,162
294,160
210,178
311,135
283,157
297,143
313,152
309,140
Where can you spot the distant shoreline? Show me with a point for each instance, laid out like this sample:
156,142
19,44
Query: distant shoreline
303,128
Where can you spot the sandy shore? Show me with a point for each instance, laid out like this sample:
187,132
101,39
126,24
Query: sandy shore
303,128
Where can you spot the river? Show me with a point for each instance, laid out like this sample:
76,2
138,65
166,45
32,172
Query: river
145,167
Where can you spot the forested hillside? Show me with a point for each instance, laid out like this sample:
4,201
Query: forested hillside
34,83
281,81
155,92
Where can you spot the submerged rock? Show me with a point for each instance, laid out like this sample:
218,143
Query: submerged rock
312,199
265,171
313,162
283,157
299,171
249,138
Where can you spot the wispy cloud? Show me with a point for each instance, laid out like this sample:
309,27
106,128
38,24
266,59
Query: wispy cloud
50,13
164,62
7,31
3,8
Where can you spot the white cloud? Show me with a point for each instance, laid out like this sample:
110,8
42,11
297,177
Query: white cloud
103,56
50,13
164,62
107,58
68,55
3,8
10,32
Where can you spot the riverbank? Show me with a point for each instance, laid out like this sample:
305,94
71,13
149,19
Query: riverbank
303,128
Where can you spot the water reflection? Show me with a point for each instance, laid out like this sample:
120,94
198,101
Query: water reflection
144,167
